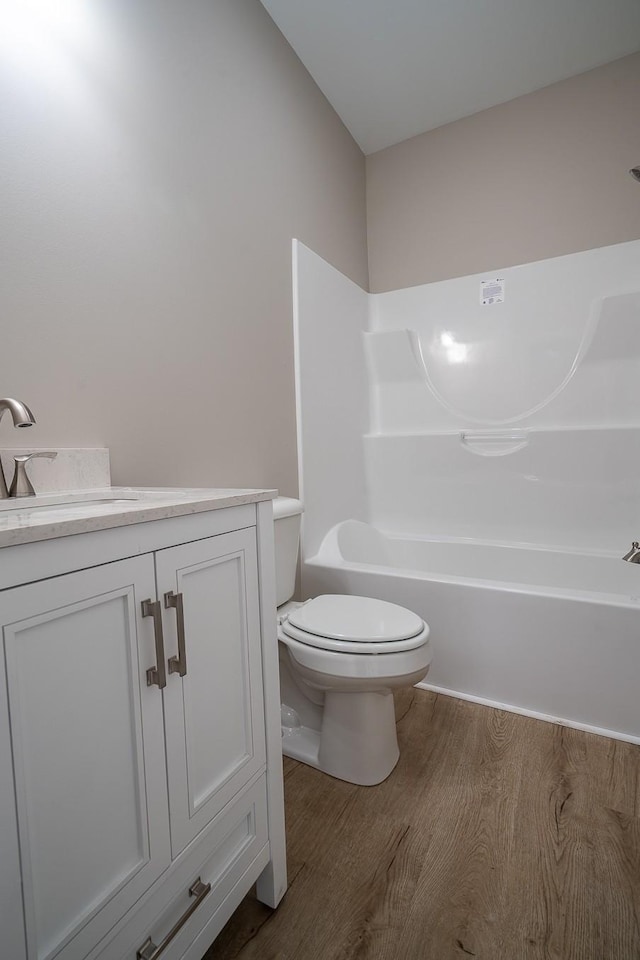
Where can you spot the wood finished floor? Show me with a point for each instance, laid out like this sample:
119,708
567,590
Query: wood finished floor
496,837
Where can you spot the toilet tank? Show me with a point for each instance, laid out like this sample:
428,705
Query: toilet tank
286,525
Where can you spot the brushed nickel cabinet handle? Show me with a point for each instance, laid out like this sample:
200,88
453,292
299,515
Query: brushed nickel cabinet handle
157,674
149,950
177,664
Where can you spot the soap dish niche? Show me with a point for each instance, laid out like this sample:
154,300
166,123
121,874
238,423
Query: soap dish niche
494,443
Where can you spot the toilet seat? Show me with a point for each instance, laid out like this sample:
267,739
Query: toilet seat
348,624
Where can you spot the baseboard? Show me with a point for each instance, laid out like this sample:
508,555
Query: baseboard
561,721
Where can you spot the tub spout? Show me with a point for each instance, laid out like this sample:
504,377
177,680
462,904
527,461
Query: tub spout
634,554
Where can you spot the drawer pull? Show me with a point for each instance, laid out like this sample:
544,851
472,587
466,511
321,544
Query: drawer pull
177,664
148,950
158,674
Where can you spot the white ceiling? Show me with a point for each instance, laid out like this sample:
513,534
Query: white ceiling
395,68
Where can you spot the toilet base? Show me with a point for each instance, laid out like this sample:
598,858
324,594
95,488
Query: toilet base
357,741
303,744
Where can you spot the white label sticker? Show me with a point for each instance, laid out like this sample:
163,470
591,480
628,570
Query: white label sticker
492,291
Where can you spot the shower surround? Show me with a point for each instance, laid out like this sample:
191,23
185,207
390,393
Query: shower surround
479,463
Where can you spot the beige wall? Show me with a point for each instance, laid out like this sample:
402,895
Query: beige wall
540,176
156,160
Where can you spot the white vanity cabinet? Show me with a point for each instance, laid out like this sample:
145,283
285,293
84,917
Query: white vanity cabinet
140,790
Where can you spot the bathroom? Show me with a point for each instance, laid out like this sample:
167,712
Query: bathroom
157,164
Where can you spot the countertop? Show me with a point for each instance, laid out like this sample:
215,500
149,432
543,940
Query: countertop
62,515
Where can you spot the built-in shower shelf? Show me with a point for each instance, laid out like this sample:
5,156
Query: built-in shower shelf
529,434
495,443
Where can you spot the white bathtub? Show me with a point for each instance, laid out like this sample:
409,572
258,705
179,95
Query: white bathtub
547,633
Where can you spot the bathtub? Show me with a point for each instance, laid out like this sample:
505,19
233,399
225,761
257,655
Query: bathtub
548,633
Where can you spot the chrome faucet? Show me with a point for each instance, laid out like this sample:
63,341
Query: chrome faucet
22,417
634,554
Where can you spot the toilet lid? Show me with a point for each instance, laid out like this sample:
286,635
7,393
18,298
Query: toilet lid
289,633
356,619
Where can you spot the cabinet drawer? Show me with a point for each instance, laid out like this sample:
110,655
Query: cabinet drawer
223,853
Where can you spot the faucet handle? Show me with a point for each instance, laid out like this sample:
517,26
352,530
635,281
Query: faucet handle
21,486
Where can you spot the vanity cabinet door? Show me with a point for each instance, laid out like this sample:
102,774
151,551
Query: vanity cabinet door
214,715
87,748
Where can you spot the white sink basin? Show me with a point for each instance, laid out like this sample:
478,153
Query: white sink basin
118,496
61,500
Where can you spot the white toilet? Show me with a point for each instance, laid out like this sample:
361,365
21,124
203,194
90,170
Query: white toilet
340,658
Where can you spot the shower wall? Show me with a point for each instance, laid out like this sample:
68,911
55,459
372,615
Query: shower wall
430,413
330,320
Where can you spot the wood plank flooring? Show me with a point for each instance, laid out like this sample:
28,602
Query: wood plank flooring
496,837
